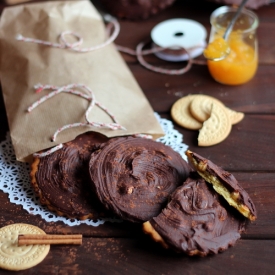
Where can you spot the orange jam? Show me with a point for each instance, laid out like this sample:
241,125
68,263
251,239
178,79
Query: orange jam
217,49
238,67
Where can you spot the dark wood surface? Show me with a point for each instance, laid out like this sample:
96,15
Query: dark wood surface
249,153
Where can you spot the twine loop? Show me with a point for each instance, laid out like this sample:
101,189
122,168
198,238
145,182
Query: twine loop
71,89
64,44
138,52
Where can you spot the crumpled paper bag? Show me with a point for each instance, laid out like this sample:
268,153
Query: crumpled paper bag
23,65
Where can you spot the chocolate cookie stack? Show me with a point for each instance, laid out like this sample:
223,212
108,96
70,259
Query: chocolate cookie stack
145,181
91,175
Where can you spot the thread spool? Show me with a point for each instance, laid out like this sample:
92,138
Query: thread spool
176,34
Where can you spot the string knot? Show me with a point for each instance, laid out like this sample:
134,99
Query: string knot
64,44
89,95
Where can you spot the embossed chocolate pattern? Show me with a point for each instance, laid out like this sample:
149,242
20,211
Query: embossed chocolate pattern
133,177
63,180
195,222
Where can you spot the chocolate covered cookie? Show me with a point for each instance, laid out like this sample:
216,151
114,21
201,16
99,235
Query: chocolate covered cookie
195,221
62,180
133,177
225,184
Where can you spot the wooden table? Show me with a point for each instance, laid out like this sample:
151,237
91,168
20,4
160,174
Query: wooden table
249,153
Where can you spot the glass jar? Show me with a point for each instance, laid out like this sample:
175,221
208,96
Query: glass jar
242,62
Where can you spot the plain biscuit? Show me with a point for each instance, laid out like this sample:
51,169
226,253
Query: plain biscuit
14,257
181,114
235,117
201,105
216,128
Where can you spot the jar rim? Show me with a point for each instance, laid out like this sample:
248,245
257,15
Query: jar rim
226,9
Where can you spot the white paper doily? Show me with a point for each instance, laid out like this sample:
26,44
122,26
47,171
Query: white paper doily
15,180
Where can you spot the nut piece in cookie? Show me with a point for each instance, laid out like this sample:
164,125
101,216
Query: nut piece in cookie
195,221
225,184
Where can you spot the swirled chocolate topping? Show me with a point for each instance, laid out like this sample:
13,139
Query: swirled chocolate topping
225,184
133,177
195,222
62,178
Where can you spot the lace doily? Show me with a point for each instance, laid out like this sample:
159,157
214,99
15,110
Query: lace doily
15,180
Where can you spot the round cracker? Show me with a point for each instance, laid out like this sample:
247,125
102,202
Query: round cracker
14,257
201,105
216,128
181,114
235,117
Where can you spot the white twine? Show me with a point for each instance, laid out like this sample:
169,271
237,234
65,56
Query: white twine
70,90
76,45
48,152
138,52
143,136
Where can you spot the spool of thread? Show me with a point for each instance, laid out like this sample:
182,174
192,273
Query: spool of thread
176,34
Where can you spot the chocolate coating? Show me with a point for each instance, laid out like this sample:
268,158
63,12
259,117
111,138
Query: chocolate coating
62,179
133,177
195,222
227,180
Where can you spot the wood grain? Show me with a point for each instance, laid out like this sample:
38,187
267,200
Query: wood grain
142,256
259,185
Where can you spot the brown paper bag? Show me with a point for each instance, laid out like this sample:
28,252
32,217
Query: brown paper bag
23,65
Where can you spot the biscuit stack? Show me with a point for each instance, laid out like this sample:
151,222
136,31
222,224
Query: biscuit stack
206,114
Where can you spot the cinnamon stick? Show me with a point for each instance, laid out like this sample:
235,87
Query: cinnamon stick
30,239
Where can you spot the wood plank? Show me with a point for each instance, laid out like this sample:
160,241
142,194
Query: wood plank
142,256
260,186
266,47
142,33
201,13
191,10
11,213
3,118
255,148
247,147
256,96
122,248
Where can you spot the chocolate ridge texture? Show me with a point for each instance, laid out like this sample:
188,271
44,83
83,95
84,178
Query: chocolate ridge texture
195,221
133,177
62,181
